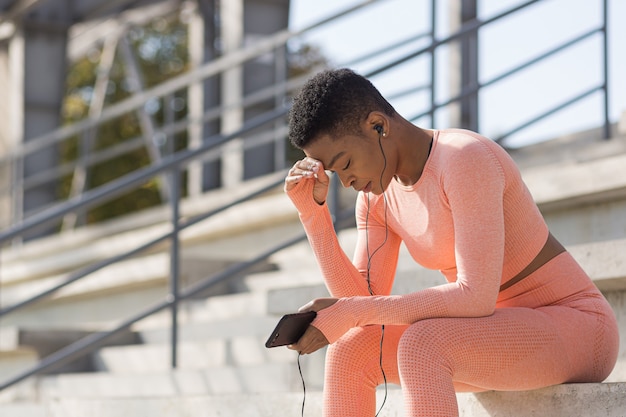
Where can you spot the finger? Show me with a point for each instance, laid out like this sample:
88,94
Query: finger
291,181
310,167
302,172
312,341
298,347
307,307
310,164
304,347
293,178
322,176
311,346
303,344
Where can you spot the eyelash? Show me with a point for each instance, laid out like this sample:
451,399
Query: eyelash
347,165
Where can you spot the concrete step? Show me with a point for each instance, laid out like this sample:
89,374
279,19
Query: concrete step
237,351
14,361
242,353
25,409
274,377
277,371
146,271
231,236
604,262
201,331
116,234
582,201
560,185
570,400
139,272
22,348
216,308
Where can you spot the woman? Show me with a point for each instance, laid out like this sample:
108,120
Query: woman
517,311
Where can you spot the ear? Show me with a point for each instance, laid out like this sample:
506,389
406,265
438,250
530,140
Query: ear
377,123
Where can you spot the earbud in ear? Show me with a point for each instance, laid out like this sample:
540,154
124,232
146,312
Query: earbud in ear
379,129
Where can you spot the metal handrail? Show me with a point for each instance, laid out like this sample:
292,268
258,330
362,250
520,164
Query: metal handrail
136,100
515,70
474,26
81,273
94,340
211,114
174,162
465,30
179,82
91,342
119,186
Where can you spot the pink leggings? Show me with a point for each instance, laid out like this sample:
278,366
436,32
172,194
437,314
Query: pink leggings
544,332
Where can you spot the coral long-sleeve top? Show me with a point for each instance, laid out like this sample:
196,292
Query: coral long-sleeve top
469,215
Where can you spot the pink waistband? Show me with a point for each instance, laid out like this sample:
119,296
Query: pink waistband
554,283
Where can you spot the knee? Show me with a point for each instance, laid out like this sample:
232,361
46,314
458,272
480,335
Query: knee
359,349
356,344
423,342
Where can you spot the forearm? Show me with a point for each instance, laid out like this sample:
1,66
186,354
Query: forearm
448,300
341,277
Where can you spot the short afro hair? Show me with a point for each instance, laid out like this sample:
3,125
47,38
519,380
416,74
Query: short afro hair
333,102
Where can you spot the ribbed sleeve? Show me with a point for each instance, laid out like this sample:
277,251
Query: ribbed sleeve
341,277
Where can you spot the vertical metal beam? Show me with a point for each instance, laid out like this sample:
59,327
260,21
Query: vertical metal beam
605,65
202,95
469,67
280,95
195,96
232,18
174,294
16,96
262,18
11,124
433,63
44,68
464,64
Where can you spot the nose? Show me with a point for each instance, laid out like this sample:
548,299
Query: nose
346,180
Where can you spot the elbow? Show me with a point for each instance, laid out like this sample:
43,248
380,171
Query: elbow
484,305
479,303
484,311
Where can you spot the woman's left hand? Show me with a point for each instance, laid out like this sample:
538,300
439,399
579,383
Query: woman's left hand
313,339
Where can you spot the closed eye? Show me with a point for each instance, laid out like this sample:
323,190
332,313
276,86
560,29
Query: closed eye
347,165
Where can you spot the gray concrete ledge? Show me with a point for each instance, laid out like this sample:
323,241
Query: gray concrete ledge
564,185
571,400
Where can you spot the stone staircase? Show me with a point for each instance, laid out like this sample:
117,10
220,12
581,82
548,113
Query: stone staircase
223,367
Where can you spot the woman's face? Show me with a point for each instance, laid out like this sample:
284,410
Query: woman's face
359,161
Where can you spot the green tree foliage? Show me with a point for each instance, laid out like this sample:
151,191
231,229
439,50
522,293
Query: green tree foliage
160,51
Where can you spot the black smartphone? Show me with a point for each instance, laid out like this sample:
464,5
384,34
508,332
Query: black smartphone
290,329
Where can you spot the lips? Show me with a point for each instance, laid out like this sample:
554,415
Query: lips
367,188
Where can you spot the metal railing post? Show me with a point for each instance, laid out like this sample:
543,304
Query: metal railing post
605,63
433,64
173,296
333,198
